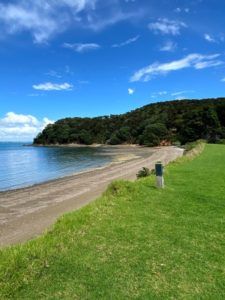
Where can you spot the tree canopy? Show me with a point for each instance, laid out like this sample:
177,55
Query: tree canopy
173,121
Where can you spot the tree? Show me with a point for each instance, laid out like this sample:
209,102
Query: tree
154,134
85,137
114,139
213,130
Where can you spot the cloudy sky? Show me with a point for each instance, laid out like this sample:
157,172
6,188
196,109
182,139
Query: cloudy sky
96,57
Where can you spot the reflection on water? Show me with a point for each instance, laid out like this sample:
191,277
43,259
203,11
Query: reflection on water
23,166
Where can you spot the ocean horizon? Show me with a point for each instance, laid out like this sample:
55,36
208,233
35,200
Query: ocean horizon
23,165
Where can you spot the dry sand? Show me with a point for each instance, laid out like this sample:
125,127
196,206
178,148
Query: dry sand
28,212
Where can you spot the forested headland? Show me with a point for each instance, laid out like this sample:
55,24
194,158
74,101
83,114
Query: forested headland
172,122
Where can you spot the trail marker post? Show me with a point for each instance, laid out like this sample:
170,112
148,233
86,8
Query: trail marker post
159,175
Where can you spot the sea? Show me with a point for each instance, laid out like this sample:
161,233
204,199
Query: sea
25,165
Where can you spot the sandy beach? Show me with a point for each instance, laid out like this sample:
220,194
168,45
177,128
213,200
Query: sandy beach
28,212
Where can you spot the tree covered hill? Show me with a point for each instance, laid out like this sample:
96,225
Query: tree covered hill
178,121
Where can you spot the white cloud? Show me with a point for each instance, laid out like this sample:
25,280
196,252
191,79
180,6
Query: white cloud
29,17
165,26
65,71
12,118
223,79
196,61
159,94
44,19
162,93
169,46
209,38
49,86
80,47
180,10
19,127
46,122
207,64
127,42
131,91
78,5
181,93
35,95
178,95
110,18
54,74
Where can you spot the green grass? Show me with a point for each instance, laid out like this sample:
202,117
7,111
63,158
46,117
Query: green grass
135,242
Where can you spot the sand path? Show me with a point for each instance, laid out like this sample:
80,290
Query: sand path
27,212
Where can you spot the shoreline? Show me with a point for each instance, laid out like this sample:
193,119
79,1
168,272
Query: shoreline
119,157
75,145
26,213
87,171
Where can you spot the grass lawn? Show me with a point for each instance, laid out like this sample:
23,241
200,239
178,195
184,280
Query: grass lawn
135,242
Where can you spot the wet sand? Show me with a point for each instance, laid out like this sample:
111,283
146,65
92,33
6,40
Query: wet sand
28,212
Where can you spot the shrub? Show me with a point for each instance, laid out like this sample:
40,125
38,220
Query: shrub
144,172
189,146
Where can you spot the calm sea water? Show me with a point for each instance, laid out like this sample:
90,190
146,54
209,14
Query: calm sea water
22,166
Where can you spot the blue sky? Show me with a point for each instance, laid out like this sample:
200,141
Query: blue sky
97,57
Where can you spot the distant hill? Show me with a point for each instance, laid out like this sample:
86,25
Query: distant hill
176,122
